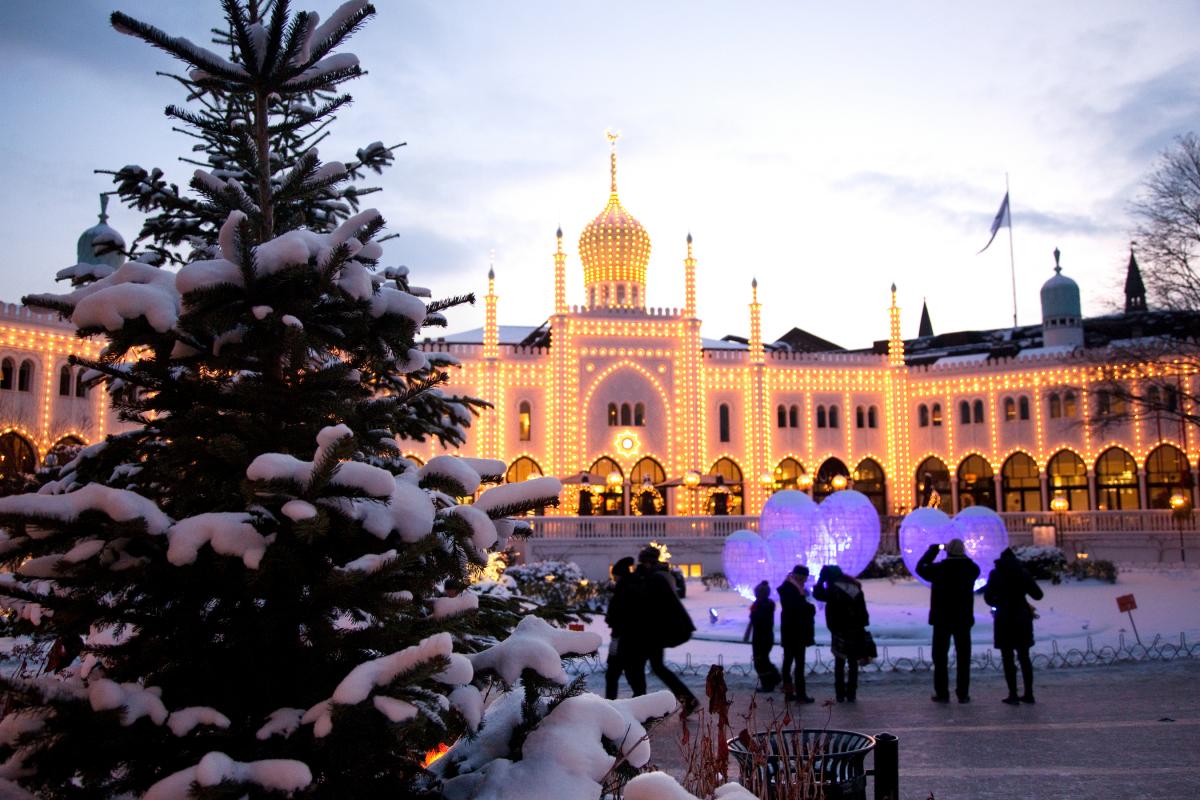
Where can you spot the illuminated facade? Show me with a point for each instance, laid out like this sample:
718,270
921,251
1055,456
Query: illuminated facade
640,414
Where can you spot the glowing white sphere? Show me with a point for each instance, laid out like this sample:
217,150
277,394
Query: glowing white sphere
922,527
745,559
852,533
984,535
792,525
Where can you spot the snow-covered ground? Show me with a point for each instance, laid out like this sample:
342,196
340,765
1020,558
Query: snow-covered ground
1168,602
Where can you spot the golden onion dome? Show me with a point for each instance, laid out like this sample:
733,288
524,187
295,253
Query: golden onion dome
614,247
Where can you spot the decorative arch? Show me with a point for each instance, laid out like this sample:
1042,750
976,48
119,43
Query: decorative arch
1166,470
787,474
612,498
1117,481
976,482
18,459
25,376
726,495
1066,474
823,483
869,479
607,372
522,468
644,478
933,483
1020,484
63,450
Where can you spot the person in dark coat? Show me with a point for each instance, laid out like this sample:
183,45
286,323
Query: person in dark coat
762,628
623,608
796,618
847,619
952,614
660,621
1007,589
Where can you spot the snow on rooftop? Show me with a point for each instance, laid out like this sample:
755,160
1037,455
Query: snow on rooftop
509,334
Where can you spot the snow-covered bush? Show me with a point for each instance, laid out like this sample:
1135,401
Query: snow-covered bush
1043,562
559,583
886,565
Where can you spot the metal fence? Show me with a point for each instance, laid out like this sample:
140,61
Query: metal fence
1159,649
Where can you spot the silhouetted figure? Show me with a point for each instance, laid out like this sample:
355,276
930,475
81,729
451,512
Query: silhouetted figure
796,623
720,498
646,499
585,498
762,628
847,619
661,621
1007,588
621,616
951,613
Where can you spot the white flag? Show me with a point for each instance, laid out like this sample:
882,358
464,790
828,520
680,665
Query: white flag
1002,220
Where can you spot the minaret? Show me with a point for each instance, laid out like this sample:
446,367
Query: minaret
560,276
689,282
1135,290
756,343
491,331
895,340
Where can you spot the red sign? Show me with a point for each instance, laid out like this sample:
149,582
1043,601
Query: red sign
578,626
1126,603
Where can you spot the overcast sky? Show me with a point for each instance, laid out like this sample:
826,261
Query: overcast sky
828,150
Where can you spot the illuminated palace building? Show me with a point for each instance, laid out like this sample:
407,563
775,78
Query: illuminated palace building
643,415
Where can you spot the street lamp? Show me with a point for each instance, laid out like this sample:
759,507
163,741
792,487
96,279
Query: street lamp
767,480
1059,506
838,482
691,480
1181,509
804,481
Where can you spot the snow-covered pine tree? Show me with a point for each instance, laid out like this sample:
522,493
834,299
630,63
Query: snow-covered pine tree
251,592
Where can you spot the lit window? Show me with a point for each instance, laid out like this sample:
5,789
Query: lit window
526,420
935,416
1056,409
1010,409
1069,404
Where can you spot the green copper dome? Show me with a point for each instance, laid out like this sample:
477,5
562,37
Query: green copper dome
100,237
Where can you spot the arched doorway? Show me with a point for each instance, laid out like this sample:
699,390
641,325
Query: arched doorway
868,479
823,484
18,462
1020,486
976,483
933,484
63,451
644,479
1117,481
612,495
1166,470
521,469
725,495
787,474
1067,475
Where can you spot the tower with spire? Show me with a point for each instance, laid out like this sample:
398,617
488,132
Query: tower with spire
1135,289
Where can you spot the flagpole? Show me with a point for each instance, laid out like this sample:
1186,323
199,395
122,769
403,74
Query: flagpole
1011,261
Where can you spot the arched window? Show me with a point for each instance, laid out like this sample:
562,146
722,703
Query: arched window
923,416
793,416
525,420
1103,403
781,416
1069,404
1153,398
1116,481
612,496
7,368
723,422
833,416
81,387
872,417
933,484
1010,409
1023,407
1055,406
728,481
612,415
868,479
644,480
522,469
64,381
1020,487
964,413
860,417
823,484
635,294
1172,398
18,459
1166,470
976,483
935,415
639,414
25,376
620,294
820,416
787,474
978,409
626,414
1067,475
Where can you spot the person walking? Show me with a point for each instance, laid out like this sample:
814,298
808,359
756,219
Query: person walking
1008,586
796,623
952,614
661,622
847,619
762,627
623,607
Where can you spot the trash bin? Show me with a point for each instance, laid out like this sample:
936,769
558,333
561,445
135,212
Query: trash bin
793,763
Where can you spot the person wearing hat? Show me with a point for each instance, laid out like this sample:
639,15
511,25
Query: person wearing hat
660,622
620,616
762,628
952,614
1008,590
796,618
847,619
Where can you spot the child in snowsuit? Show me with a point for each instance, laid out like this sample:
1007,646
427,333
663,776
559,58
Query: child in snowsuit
760,632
